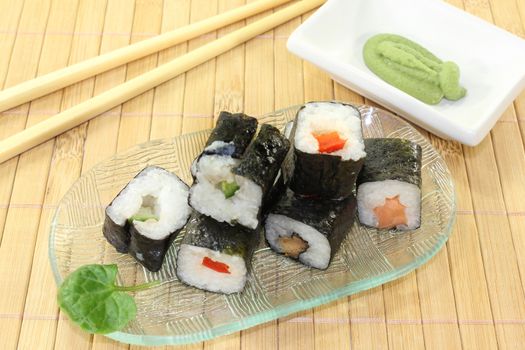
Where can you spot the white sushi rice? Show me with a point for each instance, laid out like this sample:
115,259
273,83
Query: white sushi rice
288,130
215,145
322,117
190,270
373,194
159,192
208,199
318,253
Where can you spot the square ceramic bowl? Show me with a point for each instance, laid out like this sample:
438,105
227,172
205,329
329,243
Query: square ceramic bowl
492,61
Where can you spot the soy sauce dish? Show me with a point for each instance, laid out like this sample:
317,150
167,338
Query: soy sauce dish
489,58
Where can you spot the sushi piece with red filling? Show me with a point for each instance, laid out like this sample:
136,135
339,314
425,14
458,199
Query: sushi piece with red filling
328,150
216,256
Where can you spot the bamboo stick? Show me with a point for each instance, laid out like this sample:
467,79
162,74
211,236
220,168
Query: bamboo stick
119,17
48,83
259,100
199,85
14,289
169,97
84,111
65,155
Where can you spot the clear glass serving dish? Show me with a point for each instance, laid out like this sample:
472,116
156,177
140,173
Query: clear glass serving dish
173,313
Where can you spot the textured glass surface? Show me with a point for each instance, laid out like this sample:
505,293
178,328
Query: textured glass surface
173,313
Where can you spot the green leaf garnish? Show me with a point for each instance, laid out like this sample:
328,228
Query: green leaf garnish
91,299
228,188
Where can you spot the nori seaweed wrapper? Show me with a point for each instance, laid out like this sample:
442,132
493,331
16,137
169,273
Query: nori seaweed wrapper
118,236
149,252
236,129
323,175
332,218
274,194
126,238
391,159
263,158
205,232
283,176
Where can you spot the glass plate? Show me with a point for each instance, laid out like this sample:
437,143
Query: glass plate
173,313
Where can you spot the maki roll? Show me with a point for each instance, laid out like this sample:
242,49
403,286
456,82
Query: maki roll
146,215
232,135
215,256
388,193
229,139
214,182
310,231
234,190
328,150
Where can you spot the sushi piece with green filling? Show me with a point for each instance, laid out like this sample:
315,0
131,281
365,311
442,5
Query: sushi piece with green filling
389,185
228,140
235,190
146,216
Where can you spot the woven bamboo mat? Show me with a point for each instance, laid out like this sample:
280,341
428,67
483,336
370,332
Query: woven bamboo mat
471,295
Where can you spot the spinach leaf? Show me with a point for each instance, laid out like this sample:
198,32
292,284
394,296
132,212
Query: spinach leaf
91,299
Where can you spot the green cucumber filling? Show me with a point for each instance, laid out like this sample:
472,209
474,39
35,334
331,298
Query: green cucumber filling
146,211
228,188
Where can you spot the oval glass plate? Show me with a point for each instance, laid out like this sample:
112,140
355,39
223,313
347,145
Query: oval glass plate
173,313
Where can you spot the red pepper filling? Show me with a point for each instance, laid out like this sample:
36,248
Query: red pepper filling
329,142
215,265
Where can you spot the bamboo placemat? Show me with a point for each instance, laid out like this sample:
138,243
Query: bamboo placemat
471,295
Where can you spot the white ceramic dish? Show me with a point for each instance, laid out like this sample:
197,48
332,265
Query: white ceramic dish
492,61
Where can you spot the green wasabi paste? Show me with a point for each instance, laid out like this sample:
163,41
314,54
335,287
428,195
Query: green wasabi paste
412,68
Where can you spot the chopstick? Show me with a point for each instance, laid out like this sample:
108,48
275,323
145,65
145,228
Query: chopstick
59,123
48,83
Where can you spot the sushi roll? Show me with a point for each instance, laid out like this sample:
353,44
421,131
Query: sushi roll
214,182
228,140
389,185
215,256
146,215
328,150
307,230
235,190
232,135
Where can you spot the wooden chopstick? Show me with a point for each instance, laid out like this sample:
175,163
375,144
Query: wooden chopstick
59,123
48,83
